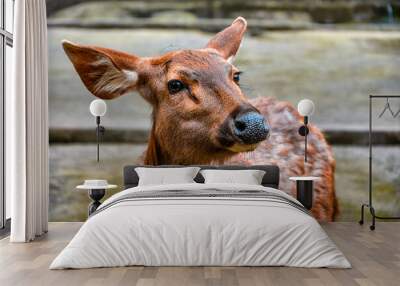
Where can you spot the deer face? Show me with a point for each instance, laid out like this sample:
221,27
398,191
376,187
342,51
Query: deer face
200,114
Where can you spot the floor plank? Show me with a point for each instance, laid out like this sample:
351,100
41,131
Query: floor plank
375,257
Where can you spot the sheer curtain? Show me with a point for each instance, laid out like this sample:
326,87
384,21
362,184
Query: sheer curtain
27,124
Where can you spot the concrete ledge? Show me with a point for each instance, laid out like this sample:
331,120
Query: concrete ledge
361,137
137,136
255,27
207,25
70,135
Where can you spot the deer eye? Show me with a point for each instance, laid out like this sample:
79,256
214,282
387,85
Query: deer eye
175,86
236,77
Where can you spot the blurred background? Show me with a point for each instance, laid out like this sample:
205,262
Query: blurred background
335,53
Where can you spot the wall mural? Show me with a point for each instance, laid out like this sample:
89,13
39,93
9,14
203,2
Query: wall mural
185,96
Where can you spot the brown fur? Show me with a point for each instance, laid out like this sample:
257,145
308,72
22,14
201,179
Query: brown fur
188,125
285,148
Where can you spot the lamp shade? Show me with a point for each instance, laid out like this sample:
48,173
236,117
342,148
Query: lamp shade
305,107
98,107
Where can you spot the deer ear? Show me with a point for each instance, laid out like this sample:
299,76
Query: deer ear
227,42
106,73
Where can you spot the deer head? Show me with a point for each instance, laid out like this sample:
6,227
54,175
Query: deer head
200,114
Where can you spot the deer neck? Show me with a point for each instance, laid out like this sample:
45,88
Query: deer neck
155,155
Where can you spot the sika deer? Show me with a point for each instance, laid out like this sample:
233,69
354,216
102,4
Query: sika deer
201,116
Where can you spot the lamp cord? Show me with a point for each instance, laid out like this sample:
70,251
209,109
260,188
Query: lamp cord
97,137
305,145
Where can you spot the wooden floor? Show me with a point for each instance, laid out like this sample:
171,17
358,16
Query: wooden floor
375,257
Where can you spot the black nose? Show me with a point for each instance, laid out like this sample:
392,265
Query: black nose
250,127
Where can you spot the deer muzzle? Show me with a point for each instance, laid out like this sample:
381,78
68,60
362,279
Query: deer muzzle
243,131
250,127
